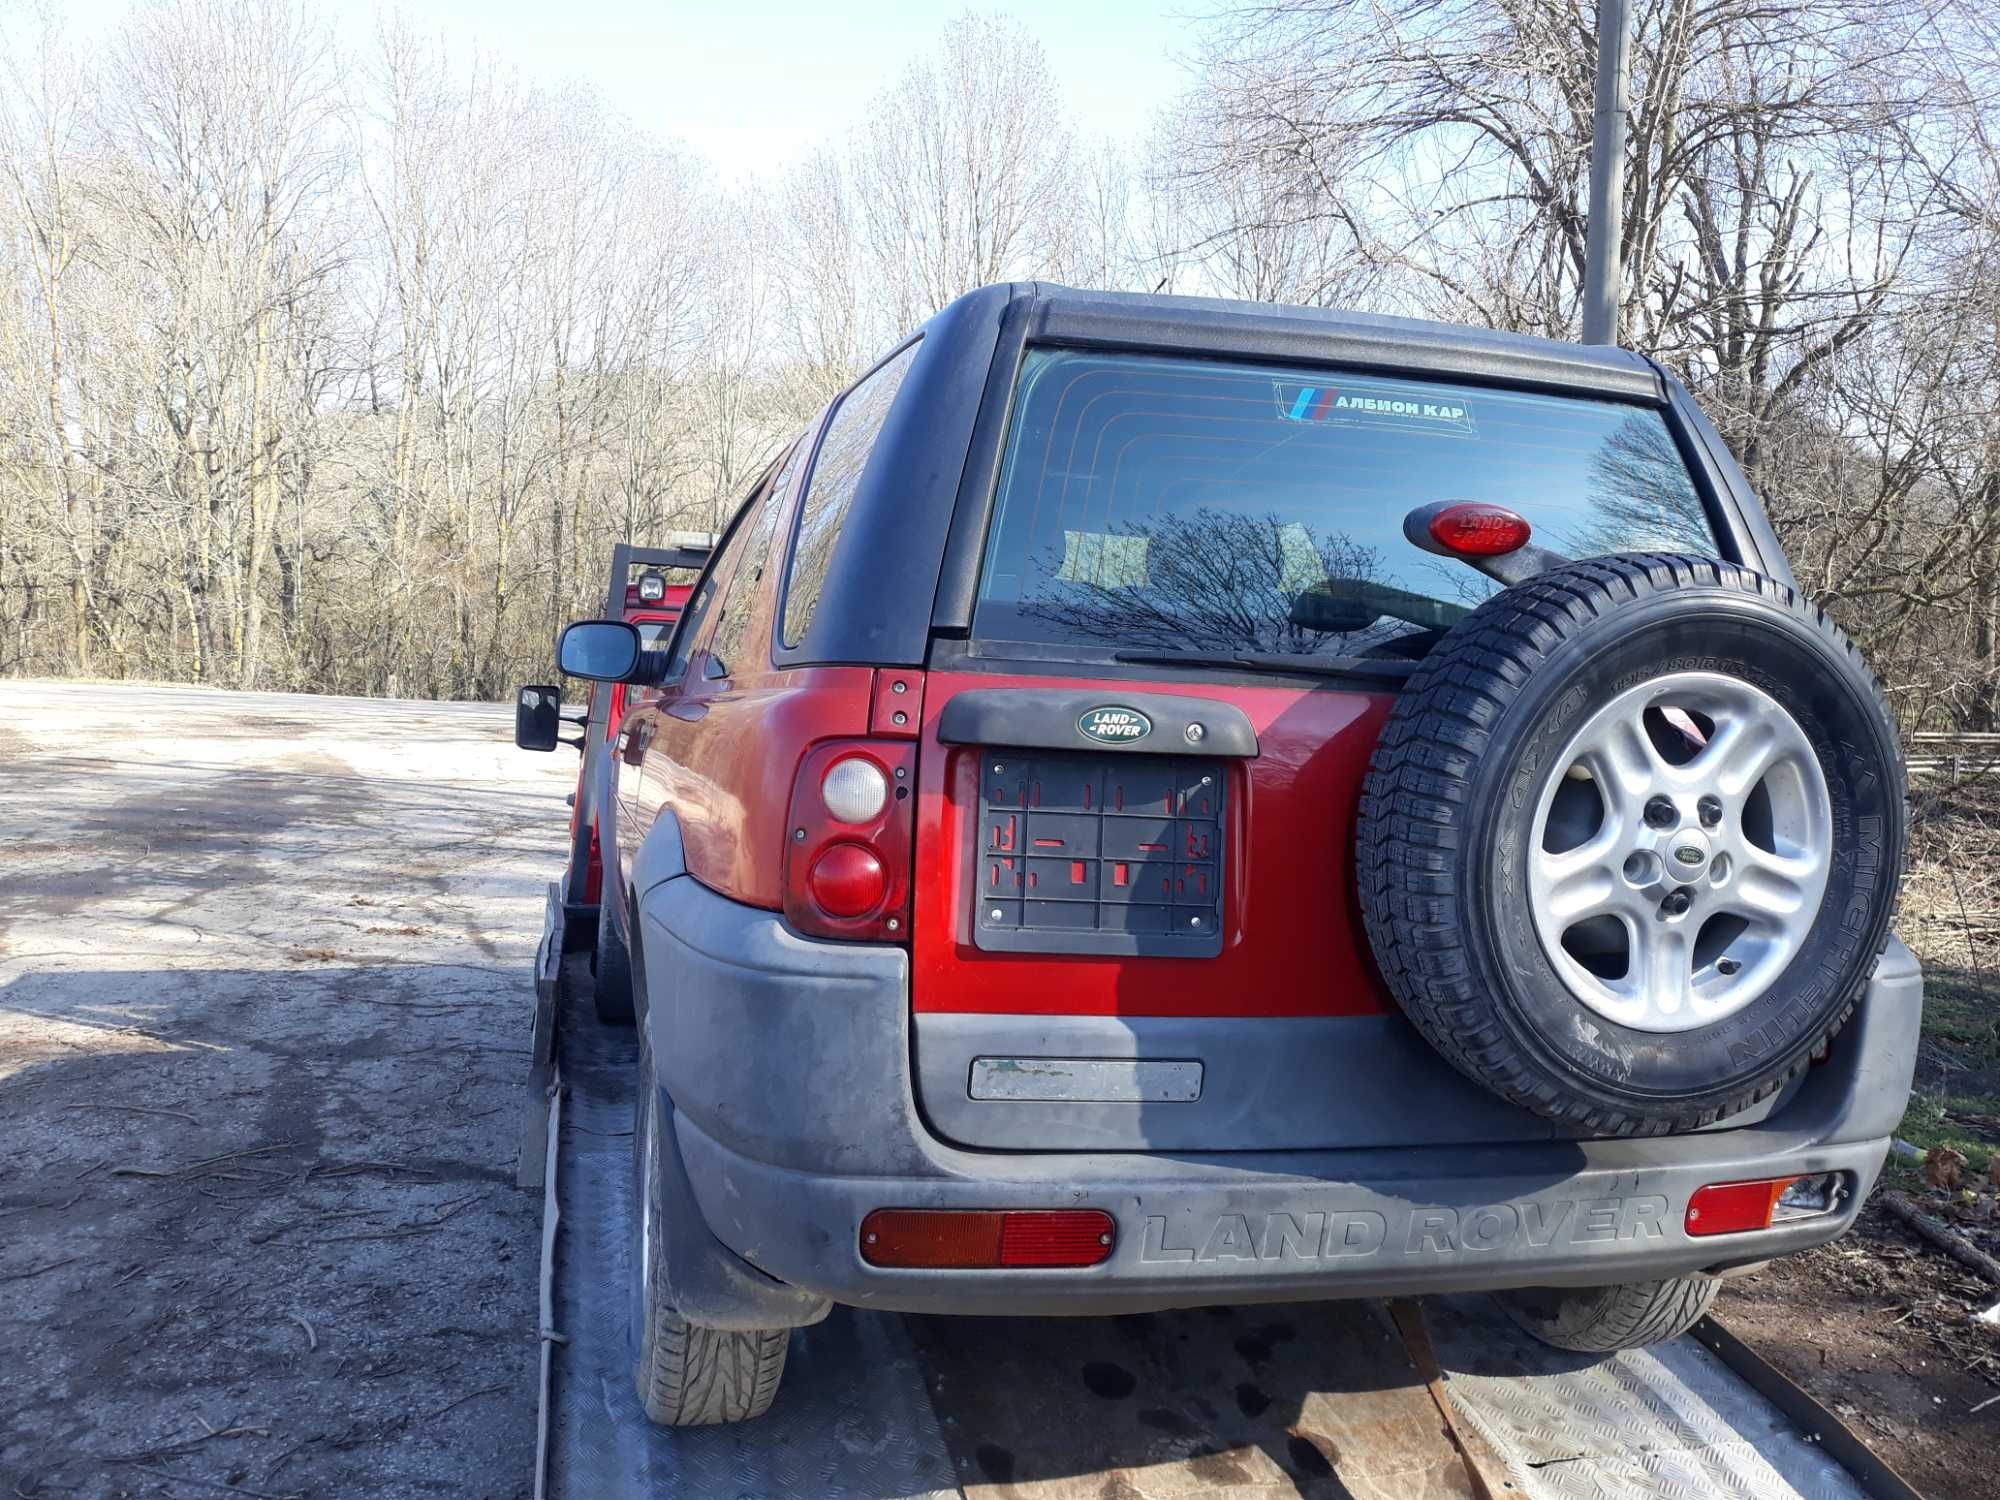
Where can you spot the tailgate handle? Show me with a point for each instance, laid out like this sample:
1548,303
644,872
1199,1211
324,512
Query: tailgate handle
1055,718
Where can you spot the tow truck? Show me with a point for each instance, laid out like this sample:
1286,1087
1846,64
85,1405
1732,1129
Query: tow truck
648,588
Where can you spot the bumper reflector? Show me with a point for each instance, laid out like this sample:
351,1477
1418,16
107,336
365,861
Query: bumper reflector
1734,1207
939,1239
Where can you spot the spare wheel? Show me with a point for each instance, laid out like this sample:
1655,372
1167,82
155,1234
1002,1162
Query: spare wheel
1631,839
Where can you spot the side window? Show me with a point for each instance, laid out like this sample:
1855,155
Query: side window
843,454
694,619
740,602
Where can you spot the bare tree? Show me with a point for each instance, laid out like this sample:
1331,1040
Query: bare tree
1793,176
963,168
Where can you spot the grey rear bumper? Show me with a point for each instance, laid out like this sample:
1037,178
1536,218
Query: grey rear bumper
787,1062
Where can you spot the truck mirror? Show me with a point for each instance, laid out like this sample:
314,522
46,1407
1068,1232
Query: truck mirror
538,717
601,650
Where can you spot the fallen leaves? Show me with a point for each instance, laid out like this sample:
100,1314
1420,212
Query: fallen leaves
1944,1167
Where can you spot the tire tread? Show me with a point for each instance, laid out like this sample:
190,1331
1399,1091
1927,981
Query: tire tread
1606,1319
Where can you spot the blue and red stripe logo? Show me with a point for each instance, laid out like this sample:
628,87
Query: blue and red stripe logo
1313,403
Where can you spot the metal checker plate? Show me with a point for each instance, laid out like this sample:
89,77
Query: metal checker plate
1099,854
1647,1424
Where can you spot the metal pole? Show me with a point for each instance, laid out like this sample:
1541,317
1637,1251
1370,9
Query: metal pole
1602,276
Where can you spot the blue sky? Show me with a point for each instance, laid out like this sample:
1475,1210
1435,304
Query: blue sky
753,85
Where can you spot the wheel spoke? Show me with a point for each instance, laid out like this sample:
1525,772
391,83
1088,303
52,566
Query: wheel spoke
1583,881
1739,756
1769,885
1623,762
1662,966
1576,884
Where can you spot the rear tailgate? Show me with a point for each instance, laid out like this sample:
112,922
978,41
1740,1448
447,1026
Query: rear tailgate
1135,923
1158,946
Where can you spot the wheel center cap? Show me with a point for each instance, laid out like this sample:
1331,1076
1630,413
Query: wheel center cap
1685,853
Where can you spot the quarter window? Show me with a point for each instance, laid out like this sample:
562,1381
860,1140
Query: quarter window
843,454
740,603
721,569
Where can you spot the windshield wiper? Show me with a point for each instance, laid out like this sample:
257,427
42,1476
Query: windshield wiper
1379,671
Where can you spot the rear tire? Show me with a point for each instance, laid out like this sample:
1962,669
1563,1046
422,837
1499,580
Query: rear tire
611,966
1605,1319
688,1375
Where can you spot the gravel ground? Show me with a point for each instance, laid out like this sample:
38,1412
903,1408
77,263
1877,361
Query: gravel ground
264,1001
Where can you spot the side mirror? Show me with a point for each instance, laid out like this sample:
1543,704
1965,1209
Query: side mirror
601,650
538,717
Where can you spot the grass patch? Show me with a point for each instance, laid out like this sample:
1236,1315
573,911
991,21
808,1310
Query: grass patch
1952,1104
1962,1015
1966,1123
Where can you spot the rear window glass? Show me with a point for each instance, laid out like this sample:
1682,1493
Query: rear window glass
836,475
1199,505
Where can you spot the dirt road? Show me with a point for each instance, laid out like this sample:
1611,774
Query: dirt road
263,968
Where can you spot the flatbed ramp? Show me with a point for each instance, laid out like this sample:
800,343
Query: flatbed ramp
1313,1400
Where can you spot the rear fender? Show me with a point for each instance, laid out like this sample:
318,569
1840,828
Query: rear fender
659,858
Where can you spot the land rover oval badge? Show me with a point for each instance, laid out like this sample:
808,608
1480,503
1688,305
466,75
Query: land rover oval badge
1114,724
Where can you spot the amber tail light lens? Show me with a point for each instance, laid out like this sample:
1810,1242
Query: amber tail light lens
938,1239
848,838
1734,1207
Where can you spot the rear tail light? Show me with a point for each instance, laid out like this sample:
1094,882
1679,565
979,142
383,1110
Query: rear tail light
1477,529
1735,1207
986,1239
847,849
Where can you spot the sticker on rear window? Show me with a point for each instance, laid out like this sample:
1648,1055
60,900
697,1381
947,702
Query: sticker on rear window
1356,404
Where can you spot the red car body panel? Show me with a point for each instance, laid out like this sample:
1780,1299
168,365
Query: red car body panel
1289,908
665,612
723,755
722,752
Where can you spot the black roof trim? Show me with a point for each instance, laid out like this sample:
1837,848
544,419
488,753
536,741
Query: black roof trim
1259,330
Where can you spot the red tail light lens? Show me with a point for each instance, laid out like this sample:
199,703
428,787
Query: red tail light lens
1733,1207
1477,529
847,865
847,881
986,1239
1062,1237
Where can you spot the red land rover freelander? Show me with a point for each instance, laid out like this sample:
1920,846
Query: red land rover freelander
1158,801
